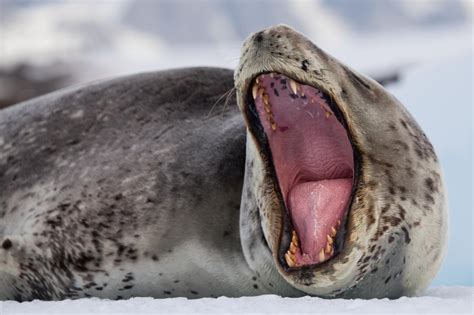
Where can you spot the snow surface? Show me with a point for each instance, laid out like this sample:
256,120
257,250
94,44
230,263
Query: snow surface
439,300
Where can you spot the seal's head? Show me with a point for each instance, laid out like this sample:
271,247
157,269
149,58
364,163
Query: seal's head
348,187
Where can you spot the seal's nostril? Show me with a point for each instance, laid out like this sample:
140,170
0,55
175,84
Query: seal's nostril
258,37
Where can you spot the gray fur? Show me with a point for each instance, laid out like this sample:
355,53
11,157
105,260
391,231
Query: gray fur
122,188
396,232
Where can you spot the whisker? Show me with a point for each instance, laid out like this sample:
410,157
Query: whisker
227,100
226,95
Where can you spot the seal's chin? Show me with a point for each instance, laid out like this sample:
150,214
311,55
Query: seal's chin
313,162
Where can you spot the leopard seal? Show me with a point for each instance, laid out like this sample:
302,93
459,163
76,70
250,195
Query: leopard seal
136,187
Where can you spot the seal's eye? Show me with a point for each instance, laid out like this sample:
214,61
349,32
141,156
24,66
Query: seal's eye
313,161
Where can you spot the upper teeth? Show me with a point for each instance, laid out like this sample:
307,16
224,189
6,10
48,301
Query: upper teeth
258,91
254,91
294,86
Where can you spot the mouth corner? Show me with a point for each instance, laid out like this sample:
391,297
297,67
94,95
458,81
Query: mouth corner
311,159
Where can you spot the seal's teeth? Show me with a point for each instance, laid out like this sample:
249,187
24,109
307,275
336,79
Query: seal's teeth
322,257
329,239
274,126
266,99
328,114
294,86
294,238
257,80
333,232
328,249
260,91
289,260
254,91
338,223
293,248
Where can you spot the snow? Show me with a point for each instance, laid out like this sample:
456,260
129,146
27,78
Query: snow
439,300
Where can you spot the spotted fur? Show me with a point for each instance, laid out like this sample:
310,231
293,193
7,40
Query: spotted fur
397,225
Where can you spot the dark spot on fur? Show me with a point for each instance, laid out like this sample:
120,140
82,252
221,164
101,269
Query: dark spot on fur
404,124
371,218
407,235
388,279
394,221
429,199
73,142
194,292
255,286
402,212
7,244
430,184
304,65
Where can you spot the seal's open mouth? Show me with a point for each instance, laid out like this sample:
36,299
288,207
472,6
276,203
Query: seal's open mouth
313,162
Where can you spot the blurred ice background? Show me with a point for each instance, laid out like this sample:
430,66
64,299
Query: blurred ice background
425,47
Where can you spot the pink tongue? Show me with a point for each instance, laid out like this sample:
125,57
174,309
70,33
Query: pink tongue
315,207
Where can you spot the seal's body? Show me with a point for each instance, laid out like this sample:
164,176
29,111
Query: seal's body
148,186
129,187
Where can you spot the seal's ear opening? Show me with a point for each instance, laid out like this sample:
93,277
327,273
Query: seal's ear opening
313,163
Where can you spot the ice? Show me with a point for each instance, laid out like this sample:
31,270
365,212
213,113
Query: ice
439,300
